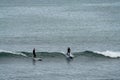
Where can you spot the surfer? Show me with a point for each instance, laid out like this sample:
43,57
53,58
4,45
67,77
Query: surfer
34,55
68,51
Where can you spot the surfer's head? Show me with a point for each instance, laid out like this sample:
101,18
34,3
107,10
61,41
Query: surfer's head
68,47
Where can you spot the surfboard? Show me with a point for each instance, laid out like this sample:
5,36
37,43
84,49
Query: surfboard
37,59
71,56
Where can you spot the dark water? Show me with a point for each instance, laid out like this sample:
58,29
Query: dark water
90,27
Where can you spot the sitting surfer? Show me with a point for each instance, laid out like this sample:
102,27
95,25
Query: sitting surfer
34,55
68,51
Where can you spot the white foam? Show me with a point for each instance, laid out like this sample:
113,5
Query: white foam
11,52
111,54
6,51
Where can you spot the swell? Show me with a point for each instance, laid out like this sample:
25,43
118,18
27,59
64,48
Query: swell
45,54
90,54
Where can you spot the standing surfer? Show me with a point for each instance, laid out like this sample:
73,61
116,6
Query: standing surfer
68,51
34,55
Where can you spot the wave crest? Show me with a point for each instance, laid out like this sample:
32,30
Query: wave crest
5,52
111,54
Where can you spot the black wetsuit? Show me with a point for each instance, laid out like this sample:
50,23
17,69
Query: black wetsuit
68,51
34,55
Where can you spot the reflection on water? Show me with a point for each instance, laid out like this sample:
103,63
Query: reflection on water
69,60
34,62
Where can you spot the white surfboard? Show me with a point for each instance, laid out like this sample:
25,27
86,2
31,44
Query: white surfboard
69,56
37,59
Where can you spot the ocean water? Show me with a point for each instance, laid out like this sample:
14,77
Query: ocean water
90,27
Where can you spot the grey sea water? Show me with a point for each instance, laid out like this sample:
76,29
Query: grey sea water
87,26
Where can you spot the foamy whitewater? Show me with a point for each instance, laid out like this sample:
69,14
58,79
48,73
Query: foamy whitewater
91,28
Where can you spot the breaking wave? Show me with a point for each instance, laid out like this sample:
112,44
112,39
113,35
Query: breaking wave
5,53
111,54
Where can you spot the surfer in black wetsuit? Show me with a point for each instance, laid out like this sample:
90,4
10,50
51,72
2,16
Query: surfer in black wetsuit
34,55
68,51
